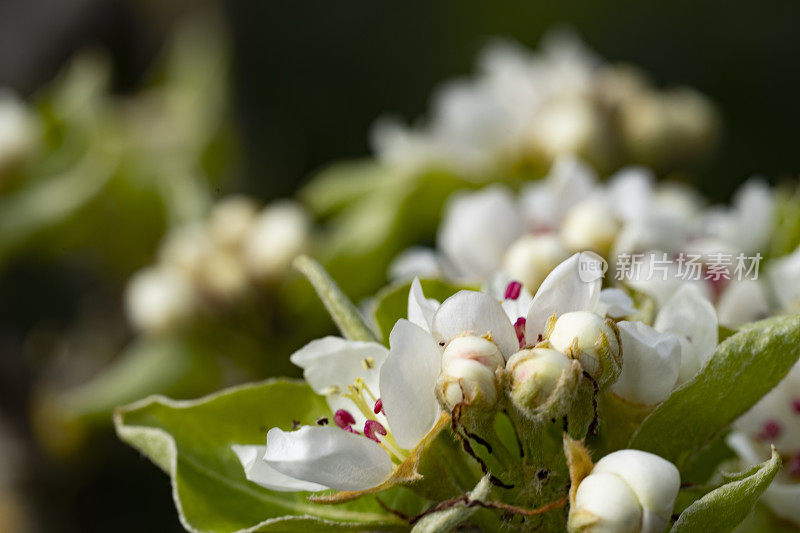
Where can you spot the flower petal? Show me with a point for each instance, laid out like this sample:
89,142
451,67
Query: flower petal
336,362
476,313
260,472
741,302
415,261
329,456
477,229
693,319
408,383
650,363
420,309
615,303
654,480
631,192
563,291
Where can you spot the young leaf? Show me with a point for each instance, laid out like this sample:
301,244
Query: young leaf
191,441
747,365
392,301
342,310
722,509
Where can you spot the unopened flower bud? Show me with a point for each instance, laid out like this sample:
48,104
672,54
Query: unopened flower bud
628,491
222,275
230,220
469,373
535,375
279,234
592,340
590,225
159,299
185,248
532,257
568,125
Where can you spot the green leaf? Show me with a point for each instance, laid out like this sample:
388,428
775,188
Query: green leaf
392,301
744,368
342,310
722,509
191,441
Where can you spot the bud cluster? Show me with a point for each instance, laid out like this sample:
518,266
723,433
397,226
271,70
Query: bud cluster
216,261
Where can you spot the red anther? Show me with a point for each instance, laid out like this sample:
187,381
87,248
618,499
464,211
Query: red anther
770,431
343,419
796,405
371,427
519,327
793,466
513,289
378,407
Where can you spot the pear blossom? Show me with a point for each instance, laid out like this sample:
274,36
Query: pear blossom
775,420
627,491
562,100
355,450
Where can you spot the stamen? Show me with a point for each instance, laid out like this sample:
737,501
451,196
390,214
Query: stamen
368,363
513,289
371,427
796,405
343,419
333,389
793,466
519,327
378,407
770,430
322,421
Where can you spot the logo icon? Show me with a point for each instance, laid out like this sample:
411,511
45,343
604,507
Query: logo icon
591,267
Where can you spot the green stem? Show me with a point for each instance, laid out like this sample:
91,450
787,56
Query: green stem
341,309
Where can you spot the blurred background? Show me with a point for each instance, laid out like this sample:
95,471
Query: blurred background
275,92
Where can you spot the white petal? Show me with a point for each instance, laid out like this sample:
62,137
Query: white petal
568,182
650,363
477,229
615,303
408,383
259,471
563,291
415,261
336,362
631,192
607,499
784,278
654,480
476,313
742,302
329,456
693,319
420,309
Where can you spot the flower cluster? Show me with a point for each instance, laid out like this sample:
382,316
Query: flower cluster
534,107
215,261
571,210
477,354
